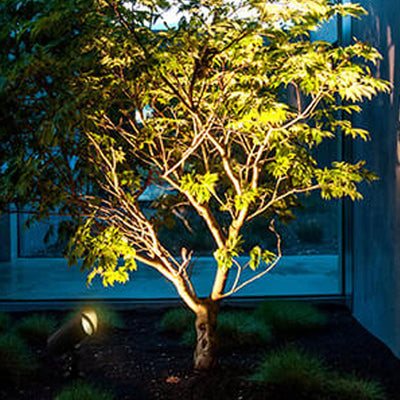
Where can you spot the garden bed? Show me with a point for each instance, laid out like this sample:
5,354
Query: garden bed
140,361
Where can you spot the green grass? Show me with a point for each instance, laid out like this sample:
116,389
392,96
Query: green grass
178,320
15,360
246,328
241,329
83,391
355,388
292,367
5,322
36,328
233,329
300,372
290,317
189,337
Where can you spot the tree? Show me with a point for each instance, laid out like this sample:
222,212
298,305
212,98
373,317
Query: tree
222,111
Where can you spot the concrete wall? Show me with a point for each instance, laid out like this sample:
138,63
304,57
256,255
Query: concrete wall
376,229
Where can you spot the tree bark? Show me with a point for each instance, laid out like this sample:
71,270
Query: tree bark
205,355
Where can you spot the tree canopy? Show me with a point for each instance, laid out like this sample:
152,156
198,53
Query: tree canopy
222,111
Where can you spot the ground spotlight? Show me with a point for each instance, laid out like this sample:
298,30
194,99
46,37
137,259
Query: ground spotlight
82,325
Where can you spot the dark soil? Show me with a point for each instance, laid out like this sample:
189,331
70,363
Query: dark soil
140,362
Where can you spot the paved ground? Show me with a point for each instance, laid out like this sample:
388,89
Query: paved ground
44,279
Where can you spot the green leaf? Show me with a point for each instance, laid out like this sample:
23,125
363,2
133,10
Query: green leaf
225,256
199,186
255,257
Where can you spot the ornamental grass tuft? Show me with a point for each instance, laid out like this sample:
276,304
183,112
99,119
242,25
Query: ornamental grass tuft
290,317
355,388
36,328
242,329
5,322
83,391
293,368
298,372
177,320
16,360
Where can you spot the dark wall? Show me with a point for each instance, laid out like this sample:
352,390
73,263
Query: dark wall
5,239
376,229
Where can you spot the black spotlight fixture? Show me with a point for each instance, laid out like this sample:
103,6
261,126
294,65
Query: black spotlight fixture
81,326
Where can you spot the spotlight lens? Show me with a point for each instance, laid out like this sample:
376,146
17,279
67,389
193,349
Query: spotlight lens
89,321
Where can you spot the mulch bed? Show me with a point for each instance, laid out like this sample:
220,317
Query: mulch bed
140,362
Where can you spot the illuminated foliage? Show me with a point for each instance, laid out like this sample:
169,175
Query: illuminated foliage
222,111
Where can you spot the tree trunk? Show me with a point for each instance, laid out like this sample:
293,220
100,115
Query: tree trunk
205,355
